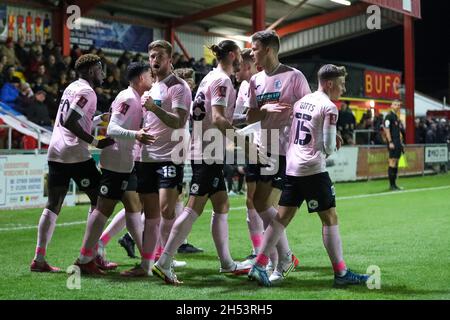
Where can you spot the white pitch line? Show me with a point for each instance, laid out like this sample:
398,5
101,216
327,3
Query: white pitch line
360,196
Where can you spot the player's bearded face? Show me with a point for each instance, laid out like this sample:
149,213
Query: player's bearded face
159,60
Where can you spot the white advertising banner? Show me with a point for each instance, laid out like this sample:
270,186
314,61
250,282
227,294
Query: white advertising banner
23,181
436,154
342,164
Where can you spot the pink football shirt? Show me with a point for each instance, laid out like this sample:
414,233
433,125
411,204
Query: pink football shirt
127,112
64,146
169,94
242,98
215,89
283,85
313,116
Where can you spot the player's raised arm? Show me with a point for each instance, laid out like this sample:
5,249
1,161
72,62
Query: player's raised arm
73,125
175,119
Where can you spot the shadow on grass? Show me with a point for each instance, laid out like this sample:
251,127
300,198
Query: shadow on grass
201,278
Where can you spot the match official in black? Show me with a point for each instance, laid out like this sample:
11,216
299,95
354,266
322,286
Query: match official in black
393,129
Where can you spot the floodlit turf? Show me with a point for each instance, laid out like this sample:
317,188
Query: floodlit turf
405,234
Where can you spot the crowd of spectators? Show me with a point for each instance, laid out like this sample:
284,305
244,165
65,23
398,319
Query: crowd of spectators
34,76
370,128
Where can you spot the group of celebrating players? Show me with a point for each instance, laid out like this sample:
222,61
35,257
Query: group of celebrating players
142,160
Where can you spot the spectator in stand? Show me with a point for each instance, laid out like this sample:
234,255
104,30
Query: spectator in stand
24,98
378,136
35,49
105,61
21,51
124,59
2,65
57,52
75,53
182,62
442,132
420,131
51,67
38,112
49,48
138,58
35,62
103,103
430,136
72,76
112,86
175,59
346,123
64,65
10,92
42,73
8,50
202,67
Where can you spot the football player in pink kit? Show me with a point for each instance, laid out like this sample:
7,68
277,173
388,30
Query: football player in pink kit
272,93
68,153
255,225
212,109
160,178
117,163
312,139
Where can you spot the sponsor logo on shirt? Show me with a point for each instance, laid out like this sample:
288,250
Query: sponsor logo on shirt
222,91
123,109
269,97
82,102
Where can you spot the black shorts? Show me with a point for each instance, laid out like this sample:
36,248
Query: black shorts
207,179
317,190
153,176
85,174
132,180
253,173
113,184
396,152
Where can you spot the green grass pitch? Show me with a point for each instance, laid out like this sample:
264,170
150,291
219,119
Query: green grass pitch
406,234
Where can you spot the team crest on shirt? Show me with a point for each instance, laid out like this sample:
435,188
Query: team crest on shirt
222,91
278,84
85,183
123,109
313,204
82,102
104,190
194,188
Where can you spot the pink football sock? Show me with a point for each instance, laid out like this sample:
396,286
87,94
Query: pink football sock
46,227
